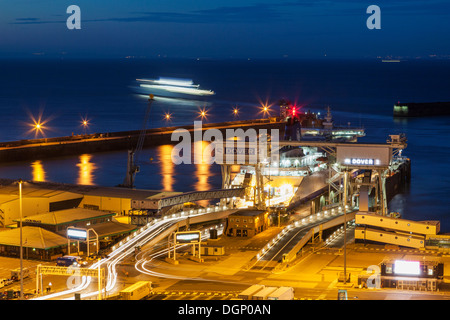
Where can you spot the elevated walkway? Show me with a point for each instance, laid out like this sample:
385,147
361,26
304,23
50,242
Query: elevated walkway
310,187
285,247
405,240
397,224
396,231
200,195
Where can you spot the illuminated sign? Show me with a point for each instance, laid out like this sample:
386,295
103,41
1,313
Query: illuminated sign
363,155
77,234
187,237
361,162
411,268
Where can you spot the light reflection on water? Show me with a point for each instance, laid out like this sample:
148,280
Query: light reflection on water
202,171
167,167
38,172
157,170
86,170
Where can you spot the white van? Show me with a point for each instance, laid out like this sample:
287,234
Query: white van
15,274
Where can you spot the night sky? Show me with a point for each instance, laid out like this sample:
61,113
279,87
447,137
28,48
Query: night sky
225,29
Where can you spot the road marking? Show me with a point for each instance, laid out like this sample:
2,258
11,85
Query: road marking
327,290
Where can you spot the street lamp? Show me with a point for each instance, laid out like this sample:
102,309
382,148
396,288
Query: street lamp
21,244
84,126
167,116
345,225
203,114
236,112
38,128
265,108
37,125
85,123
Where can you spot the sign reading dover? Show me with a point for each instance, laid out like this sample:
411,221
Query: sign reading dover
376,156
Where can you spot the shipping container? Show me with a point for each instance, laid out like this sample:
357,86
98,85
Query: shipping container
264,293
282,293
248,293
137,291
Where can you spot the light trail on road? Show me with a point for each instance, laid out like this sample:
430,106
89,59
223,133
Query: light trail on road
140,265
144,235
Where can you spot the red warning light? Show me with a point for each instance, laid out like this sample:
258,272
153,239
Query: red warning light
294,111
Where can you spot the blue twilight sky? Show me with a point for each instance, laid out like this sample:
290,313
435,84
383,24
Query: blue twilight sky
223,29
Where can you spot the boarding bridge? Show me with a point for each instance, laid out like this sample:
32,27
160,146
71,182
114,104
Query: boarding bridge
404,240
401,232
201,195
289,242
310,188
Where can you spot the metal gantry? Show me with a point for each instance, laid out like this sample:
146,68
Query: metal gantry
70,272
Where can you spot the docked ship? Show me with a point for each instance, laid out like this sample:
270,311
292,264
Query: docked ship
301,172
173,88
311,126
422,109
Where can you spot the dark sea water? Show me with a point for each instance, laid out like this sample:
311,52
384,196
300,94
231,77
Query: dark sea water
63,92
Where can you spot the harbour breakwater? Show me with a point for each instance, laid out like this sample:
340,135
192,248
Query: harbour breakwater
34,149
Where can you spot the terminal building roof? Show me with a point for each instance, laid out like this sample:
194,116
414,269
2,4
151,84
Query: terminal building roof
33,237
49,189
65,216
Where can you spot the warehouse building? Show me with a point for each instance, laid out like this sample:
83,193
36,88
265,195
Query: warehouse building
44,235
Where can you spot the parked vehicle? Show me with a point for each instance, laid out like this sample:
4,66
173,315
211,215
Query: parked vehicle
5,282
67,261
137,291
282,293
248,293
15,274
264,293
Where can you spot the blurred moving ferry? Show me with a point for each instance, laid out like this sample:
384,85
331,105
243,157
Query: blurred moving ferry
174,88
